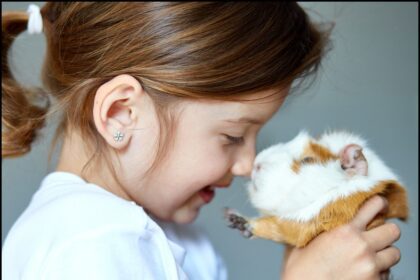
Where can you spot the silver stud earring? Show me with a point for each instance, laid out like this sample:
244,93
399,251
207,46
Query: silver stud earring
118,136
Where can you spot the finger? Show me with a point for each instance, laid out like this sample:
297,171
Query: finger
382,236
387,257
369,210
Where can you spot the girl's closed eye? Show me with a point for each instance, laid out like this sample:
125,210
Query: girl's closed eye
235,140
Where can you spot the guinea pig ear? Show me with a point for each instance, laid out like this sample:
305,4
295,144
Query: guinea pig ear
353,161
397,198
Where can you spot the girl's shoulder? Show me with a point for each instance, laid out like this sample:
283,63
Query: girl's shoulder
65,198
69,221
65,206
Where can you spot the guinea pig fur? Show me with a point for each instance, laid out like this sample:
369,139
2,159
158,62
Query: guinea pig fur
306,186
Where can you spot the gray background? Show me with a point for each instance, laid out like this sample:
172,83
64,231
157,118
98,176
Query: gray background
368,85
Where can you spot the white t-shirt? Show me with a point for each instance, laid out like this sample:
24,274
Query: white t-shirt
76,230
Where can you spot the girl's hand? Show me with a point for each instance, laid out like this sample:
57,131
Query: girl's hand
349,251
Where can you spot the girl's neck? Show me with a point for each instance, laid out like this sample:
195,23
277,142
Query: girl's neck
72,159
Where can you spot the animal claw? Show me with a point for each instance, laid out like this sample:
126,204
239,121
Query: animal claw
235,220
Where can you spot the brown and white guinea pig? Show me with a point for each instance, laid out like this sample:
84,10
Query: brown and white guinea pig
307,186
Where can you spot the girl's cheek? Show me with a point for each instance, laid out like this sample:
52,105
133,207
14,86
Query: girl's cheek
219,158
226,160
215,161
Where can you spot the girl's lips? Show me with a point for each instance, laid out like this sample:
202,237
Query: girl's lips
207,194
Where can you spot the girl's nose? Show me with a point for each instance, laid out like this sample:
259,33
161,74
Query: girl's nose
244,163
243,167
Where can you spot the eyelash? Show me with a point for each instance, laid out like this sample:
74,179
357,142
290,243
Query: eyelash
235,140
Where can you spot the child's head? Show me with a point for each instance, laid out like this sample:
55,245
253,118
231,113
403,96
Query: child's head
171,77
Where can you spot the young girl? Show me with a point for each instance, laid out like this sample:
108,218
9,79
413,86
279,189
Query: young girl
161,104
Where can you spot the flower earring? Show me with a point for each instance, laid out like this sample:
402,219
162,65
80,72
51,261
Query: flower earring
118,136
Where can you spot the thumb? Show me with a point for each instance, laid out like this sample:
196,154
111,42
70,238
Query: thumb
369,210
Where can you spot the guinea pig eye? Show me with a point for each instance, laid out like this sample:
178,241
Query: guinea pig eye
307,160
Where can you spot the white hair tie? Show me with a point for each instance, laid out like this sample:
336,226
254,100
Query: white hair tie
35,19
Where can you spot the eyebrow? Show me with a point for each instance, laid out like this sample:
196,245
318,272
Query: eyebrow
245,120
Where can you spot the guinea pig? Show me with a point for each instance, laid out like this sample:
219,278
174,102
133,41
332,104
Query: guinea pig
307,186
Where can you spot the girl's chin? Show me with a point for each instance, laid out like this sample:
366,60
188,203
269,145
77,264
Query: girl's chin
188,212
184,214
179,217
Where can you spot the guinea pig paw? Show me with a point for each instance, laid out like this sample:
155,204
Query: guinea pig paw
247,233
235,220
229,213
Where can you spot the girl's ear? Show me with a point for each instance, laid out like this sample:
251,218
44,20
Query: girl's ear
116,109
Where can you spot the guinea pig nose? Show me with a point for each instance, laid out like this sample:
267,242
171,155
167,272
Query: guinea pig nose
258,166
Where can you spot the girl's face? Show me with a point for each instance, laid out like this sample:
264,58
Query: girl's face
214,141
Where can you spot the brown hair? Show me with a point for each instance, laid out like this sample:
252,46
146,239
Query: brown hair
210,50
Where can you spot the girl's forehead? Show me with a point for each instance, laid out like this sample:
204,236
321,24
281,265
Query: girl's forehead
257,110
260,99
254,112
